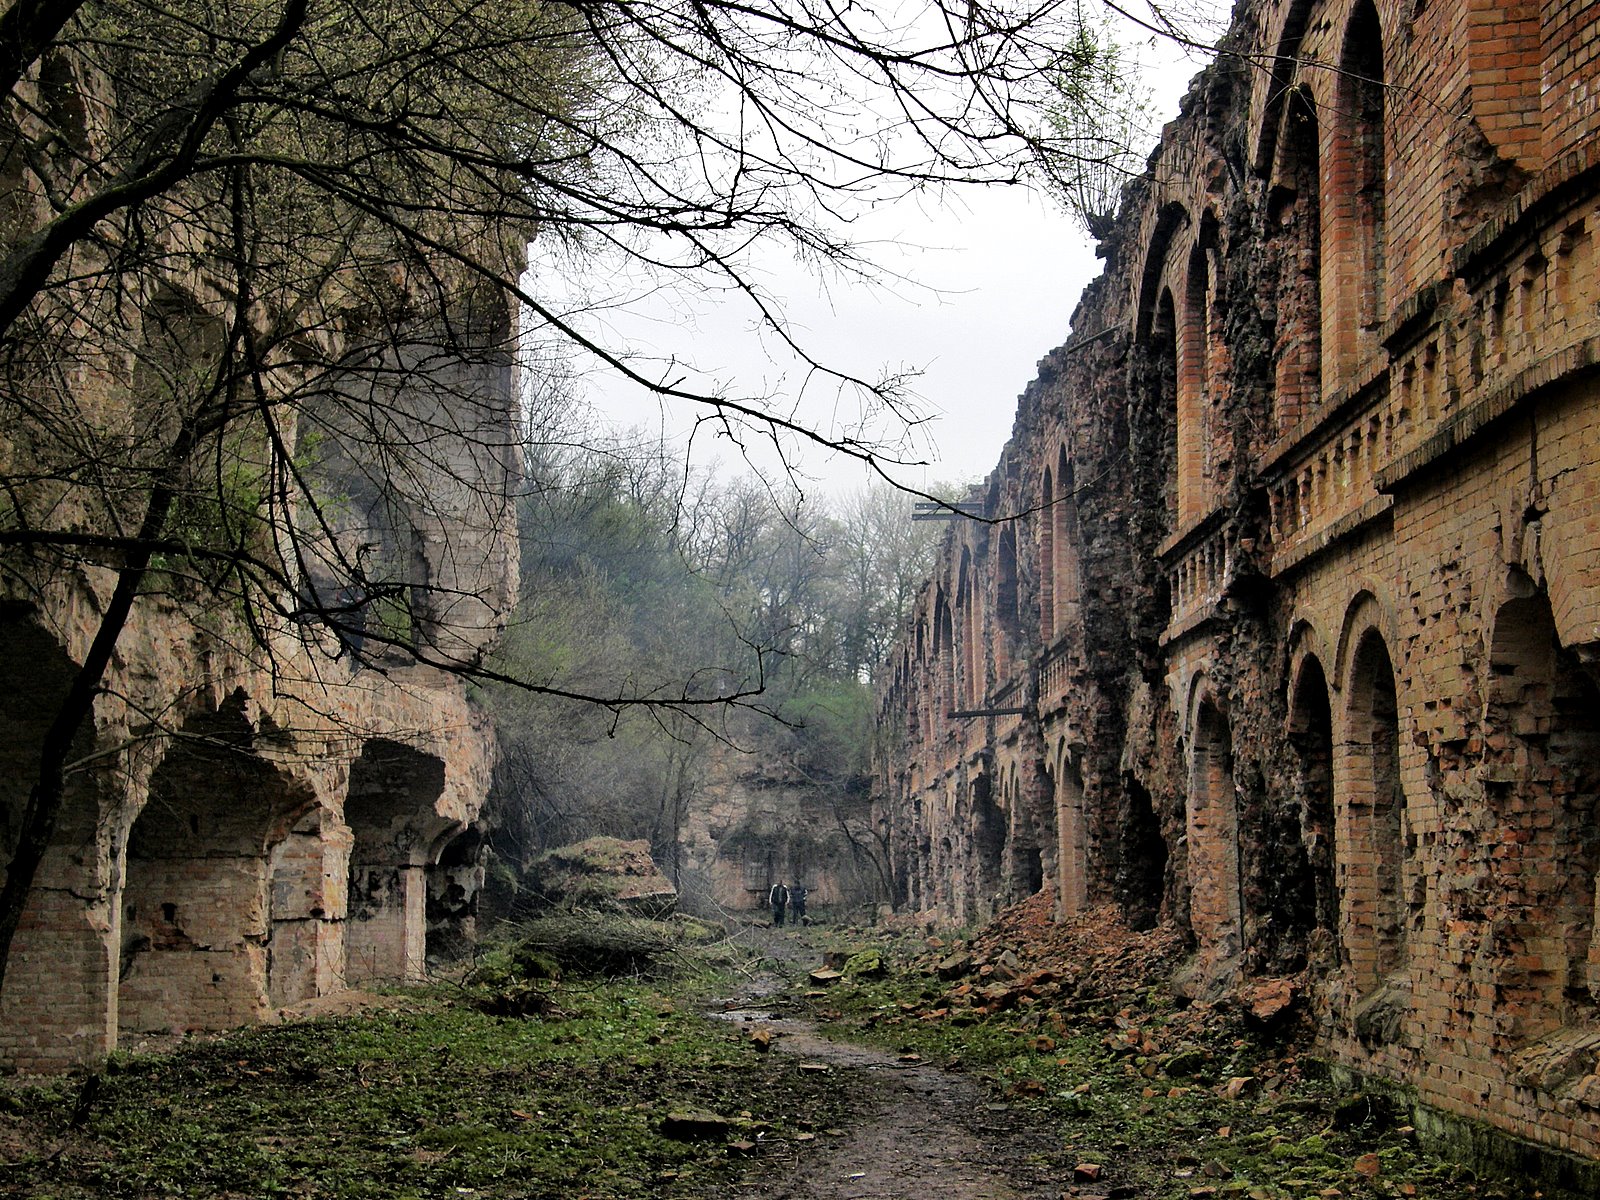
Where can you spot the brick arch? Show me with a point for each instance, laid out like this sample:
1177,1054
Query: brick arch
1307,900
1294,217
1354,237
1216,913
1372,831
1369,608
1285,66
206,881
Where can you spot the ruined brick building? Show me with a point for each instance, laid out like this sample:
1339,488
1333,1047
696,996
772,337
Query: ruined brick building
1286,623
256,814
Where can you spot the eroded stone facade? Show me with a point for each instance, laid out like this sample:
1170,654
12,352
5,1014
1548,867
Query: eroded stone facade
1287,624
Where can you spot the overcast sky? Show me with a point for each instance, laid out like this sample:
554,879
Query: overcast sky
977,286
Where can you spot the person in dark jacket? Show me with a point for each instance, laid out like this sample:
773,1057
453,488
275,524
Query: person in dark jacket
778,897
797,904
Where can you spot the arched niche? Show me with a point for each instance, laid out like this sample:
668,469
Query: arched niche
1294,215
1007,614
1215,912
1355,241
199,879
1372,835
390,811
1064,544
1155,367
1047,557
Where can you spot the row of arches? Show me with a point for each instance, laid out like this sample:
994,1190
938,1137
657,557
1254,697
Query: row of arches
242,891
1335,870
1324,170
232,878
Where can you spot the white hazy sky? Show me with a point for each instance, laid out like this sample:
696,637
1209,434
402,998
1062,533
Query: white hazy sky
987,283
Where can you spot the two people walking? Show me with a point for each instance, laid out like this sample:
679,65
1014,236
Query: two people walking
790,901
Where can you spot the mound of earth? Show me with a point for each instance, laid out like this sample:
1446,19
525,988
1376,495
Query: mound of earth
604,873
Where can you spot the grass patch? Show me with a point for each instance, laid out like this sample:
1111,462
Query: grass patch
1140,1084
421,1100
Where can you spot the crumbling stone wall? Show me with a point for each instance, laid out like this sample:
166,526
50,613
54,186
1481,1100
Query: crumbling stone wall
756,820
254,815
1287,606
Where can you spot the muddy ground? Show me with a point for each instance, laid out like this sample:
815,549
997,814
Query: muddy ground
916,1130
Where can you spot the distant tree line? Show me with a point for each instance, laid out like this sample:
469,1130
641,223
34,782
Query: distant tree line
637,581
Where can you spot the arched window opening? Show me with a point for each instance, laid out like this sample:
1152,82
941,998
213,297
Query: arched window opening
1005,601
1373,857
944,655
971,654
1047,558
1213,824
1064,542
1142,877
1163,353
1303,900
1359,171
1195,418
1295,214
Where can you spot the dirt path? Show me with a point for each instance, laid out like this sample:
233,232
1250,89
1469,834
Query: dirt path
919,1131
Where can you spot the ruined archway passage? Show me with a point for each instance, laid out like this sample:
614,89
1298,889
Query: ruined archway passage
196,911
1142,877
391,813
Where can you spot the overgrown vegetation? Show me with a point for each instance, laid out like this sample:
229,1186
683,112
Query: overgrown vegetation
633,580
431,1095
1170,1100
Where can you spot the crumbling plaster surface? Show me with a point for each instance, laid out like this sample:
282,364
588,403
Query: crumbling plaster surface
1303,656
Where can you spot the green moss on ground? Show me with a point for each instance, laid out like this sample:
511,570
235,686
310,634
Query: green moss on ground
422,1100
1140,1084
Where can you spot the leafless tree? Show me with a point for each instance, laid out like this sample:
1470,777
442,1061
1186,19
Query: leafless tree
262,266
